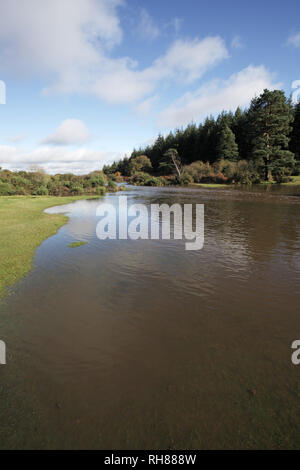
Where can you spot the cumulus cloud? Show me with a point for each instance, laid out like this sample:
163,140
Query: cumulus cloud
189,60
147,28
218,95
56,160
185,61
294,39
68,44
70,132
38,36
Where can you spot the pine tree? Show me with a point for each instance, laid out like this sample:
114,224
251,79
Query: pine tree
240,128
209,140
271,116
158,151
189,147
171,161
227,147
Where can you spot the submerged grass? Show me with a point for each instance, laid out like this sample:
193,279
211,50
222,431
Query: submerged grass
76,244
23,228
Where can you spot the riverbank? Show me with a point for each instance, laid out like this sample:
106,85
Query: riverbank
24,227
294,182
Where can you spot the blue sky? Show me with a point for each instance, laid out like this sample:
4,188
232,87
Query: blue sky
89,80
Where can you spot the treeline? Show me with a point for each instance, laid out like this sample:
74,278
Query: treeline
37,183
263,142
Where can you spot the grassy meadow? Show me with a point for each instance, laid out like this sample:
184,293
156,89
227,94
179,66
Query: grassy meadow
23,228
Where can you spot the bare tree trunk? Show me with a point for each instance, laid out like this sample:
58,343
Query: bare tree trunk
176,166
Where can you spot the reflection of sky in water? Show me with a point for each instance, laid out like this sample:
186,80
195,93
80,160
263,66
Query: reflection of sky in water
238,233
108,329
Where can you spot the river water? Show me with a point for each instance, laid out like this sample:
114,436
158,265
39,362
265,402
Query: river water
123,344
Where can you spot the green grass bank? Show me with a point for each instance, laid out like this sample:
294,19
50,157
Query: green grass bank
23,228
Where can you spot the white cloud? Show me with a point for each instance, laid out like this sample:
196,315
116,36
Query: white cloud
218,95
147,28
145,107
70,132
189,60
38,36
237,42
56,160
184,61
68,42
17,138
294,39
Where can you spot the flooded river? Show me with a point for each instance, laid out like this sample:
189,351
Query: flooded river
123,344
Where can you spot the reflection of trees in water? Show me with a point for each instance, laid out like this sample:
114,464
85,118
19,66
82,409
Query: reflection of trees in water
258,228
252,226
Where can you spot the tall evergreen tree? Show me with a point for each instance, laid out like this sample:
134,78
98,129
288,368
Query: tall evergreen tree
209,140
189,141
240,128
271,116
227,147
158,151
171,161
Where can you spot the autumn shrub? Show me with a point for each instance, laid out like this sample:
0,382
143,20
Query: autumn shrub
6,189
